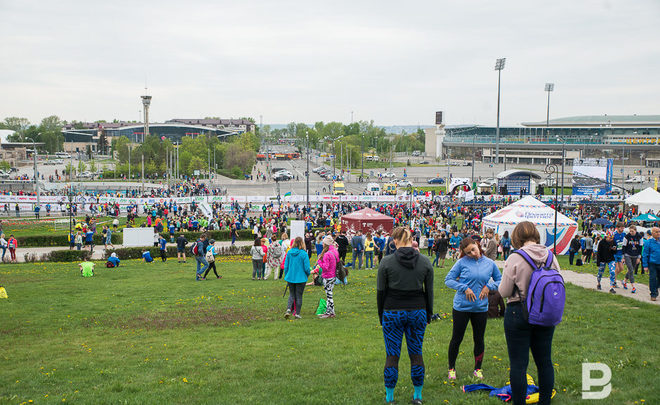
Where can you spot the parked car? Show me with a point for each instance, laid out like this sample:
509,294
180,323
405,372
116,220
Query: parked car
416,153
282,177
13,170
404,183
426,162
388,174
436,180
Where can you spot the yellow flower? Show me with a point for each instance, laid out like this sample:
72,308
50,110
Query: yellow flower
185,380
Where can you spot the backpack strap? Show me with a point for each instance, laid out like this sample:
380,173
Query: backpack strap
548,262
527,258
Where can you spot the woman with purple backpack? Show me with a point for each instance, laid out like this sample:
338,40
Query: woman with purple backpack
521,335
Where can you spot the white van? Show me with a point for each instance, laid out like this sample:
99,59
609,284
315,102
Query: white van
373,188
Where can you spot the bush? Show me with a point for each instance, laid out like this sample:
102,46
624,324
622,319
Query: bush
68,255
136,252
61,240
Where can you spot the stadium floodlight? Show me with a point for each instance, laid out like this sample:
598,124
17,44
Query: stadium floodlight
499,65
548,87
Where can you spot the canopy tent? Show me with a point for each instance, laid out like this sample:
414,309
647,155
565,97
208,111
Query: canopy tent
533,210
366,220
645,200
646,218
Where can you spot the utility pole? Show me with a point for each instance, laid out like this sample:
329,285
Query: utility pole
143,174
499,65
307,172
129,162
362,156
36,172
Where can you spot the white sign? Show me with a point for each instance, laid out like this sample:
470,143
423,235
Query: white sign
297,229
138,237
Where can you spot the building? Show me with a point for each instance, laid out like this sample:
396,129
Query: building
628,137
87,135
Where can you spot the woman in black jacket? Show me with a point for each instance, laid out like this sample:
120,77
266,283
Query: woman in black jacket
405,305
574,248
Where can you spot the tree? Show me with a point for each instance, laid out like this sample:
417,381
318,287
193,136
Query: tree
102,145
92,166
51,123
4,165
81,166
16,124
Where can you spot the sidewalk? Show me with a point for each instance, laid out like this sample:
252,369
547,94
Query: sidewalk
99,250
588,281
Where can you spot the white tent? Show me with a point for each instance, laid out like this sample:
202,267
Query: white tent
645,200
533,210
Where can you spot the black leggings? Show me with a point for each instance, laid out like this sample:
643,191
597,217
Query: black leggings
211,266
461,319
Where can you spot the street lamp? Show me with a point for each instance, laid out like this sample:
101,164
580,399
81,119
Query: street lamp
499,65
36,172
563,161
307,172
550,170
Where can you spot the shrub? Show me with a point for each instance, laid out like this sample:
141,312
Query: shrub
136,252
68,255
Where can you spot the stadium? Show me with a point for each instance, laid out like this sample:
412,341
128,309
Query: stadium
630,137
82,136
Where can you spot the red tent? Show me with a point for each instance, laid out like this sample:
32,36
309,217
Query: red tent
366,220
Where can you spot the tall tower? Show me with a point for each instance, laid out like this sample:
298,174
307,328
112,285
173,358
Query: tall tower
146,102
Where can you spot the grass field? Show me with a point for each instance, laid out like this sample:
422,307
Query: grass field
150,334
31,227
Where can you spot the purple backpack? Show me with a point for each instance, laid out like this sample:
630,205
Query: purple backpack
546,294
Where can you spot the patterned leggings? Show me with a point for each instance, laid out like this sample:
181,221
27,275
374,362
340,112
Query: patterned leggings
395,324
611,267
328,286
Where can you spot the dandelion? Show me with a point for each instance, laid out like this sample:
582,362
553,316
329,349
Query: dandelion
185,380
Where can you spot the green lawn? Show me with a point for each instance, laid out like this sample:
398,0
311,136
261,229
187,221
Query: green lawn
31,227
150,334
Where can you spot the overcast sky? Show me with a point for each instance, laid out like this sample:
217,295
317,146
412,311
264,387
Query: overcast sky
391,61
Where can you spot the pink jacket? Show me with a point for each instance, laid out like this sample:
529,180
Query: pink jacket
328,263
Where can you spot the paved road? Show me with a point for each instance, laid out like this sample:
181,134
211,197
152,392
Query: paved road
588,281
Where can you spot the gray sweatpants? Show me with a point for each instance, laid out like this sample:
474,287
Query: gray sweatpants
631,264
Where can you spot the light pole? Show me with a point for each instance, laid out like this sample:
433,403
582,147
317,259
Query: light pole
552,169
548,87
473,151
499,65
563,161
36,172
307,172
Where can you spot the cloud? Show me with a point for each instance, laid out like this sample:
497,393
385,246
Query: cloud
391,62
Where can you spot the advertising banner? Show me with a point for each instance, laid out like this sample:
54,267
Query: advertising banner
592,177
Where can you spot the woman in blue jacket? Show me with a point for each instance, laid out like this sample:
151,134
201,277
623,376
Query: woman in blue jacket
470,277
296,272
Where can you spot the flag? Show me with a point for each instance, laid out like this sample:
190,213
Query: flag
655,186
287,194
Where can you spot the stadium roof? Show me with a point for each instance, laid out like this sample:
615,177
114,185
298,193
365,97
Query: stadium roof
600,120
514,172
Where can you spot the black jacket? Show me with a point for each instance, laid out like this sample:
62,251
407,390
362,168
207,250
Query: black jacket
405,282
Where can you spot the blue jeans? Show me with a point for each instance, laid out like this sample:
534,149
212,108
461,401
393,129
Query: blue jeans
521,336
202,265
357,255
368,258
654,269
437,259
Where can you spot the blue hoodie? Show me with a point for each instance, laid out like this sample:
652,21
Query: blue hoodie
472,274
651,254
296,266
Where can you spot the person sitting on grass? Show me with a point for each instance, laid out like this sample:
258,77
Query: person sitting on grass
113,261
86,269
146,257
